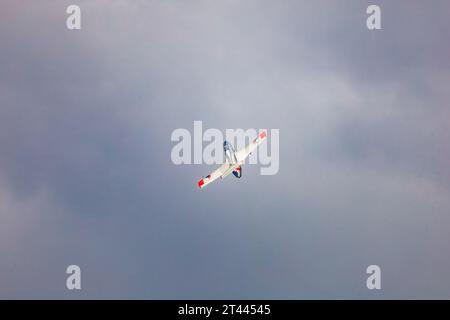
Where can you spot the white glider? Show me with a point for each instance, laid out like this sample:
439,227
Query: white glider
233,161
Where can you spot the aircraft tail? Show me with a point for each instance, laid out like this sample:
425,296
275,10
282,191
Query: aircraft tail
230,170
238,172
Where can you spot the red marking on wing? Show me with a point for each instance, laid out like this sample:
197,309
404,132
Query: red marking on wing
262,135
200,183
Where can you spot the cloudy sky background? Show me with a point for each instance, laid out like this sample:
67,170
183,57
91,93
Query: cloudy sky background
85,170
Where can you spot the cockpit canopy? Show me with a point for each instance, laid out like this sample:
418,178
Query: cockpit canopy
229,152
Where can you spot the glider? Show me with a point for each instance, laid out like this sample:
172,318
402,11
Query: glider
233,161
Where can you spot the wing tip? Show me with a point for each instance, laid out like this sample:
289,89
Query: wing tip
200,183
263,135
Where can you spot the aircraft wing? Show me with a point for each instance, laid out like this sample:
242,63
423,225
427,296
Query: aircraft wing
214,175
242,154
221,172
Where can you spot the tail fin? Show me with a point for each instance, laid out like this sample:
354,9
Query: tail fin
238,172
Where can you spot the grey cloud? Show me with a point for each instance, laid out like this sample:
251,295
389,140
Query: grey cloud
85,170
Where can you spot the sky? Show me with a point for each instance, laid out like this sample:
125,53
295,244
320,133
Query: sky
86,176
